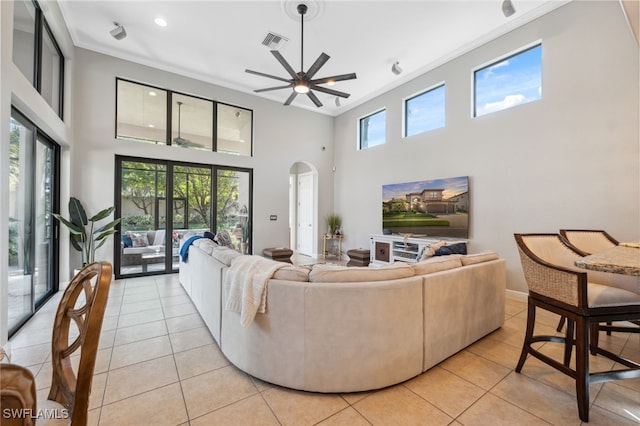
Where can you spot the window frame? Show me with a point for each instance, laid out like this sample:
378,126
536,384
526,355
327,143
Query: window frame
359,128
405,115
169,116
42,26
497,60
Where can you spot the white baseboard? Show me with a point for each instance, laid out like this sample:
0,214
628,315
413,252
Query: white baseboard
518,295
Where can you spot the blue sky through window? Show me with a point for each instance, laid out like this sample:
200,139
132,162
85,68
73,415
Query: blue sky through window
425,111
373,129
512,81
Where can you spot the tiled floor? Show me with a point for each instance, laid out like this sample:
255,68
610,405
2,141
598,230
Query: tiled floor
158,365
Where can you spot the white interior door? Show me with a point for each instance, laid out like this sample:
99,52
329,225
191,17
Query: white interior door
305,214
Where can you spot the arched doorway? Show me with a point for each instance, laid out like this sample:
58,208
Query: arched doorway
303,211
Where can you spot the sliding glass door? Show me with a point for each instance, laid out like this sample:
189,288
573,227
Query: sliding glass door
33,185
162,203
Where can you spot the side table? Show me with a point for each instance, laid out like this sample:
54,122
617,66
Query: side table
331,239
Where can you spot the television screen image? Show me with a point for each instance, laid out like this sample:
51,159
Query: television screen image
438,207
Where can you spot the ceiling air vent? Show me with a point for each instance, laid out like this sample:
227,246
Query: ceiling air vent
274,41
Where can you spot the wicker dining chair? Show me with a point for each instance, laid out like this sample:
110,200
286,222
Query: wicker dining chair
567,293
588,241
77,326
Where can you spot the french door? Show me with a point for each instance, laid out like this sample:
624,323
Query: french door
161,203
33,197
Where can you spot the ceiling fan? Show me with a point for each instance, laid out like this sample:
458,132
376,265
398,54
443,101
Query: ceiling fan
179,140
303,82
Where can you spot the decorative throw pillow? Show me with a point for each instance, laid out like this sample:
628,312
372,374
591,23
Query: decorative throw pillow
458,248
223,239
126,241
139,240
431,250
210,235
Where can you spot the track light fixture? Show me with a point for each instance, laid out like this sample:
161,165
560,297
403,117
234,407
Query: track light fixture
395,68
338,101
507,8
118,32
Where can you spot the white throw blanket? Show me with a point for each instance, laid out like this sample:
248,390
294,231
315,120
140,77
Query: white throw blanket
246,286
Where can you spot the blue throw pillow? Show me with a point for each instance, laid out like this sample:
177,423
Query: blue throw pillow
127,241
458,248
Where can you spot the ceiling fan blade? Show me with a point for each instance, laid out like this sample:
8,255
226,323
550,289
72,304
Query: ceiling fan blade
291,97
322,59
284,63
330,91
341,77
314,98
268,75
274,88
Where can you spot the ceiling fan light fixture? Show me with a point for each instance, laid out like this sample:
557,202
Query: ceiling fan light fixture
301,87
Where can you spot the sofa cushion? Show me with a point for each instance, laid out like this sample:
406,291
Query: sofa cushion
447,249
139,240
126,241
224,254
332,273
158,238
437,264
471,259
205,245
293,273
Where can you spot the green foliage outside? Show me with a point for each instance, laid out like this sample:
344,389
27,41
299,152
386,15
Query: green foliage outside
411,219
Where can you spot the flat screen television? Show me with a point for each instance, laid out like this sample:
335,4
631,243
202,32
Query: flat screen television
427,208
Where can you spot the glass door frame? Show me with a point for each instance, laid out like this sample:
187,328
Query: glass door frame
39,137
168,204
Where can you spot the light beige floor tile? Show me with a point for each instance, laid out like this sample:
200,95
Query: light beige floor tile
252,411
128,299
106,339
139,332
620,400
147,305
189,339
179,310
602,417
110,323
445,390
136,318
175,300
475,369
260,384
514,307
216,389
354,397
541,400
43,378
185,322
200,360
138,378
93,417
293,407
491,410
162,406
346,417
97,390
144,350
31,355
399,406
496,351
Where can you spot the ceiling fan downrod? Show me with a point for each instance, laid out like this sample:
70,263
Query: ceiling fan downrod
302,10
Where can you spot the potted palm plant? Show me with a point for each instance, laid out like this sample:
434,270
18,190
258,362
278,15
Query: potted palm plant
334,222
84,237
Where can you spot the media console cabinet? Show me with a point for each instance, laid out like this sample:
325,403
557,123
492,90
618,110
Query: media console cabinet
386,249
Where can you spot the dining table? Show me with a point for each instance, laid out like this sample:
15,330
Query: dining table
621,259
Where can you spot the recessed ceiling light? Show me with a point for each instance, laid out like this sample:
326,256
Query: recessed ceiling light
160,22
152,93
151,125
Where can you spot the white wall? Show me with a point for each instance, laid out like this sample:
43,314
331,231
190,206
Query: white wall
570,160
282,136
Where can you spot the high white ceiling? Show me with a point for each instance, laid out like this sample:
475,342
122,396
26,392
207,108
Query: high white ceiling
215,41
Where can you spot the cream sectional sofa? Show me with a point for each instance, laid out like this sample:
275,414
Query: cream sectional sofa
339,329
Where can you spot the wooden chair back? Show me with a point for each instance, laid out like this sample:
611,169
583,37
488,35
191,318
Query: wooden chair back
77,327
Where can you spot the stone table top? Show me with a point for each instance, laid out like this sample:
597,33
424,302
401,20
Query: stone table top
621,259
